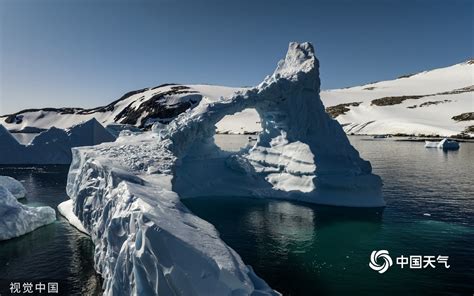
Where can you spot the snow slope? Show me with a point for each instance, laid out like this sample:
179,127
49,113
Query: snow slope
432,99
127,193
17,219
139,108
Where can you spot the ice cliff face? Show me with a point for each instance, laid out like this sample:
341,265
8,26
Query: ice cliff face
146,241
127,193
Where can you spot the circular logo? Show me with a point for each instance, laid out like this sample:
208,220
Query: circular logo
374,258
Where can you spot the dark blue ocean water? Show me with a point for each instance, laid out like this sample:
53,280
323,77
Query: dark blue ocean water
53,253
302,249
299,249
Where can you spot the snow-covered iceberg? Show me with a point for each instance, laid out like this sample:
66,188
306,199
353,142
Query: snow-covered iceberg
301,153
17,219
14,186
127,193
52,146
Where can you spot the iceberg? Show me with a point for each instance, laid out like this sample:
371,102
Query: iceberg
127,193
115,129
444,144
52,146
15,187
17,219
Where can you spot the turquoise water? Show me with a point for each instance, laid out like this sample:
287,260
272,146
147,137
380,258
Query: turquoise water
299,249
302,249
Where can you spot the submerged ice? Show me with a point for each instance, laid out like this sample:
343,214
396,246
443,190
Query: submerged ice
127,193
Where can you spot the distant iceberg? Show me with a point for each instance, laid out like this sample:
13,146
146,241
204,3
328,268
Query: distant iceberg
444,144
127,193
52,146
17,219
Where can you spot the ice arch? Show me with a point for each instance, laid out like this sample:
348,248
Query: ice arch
127,193
301,153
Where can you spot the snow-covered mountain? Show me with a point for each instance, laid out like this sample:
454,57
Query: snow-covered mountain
140,108
437,102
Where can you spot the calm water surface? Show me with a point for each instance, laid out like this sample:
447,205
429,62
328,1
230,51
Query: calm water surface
299,249
302,249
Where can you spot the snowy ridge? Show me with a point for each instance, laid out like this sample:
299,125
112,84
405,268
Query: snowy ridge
127,193
426,103
139,108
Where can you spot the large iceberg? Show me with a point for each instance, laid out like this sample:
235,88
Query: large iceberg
52,146
127,193
17,219
301,153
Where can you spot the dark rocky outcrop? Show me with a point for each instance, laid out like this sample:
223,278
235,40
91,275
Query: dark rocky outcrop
341,109
157,108
388,101
464,116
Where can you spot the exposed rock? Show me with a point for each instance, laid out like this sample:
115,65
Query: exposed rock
464,116
341,109
429,103
158,107
387,101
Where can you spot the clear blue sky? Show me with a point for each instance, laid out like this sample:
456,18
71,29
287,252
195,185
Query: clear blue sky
87,53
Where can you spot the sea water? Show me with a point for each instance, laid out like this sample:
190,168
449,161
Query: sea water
299,249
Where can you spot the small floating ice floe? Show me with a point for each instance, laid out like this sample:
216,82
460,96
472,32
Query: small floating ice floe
445,144
17,219
427,214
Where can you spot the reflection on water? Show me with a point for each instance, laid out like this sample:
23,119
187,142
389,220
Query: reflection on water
304,249
24,138
56,252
